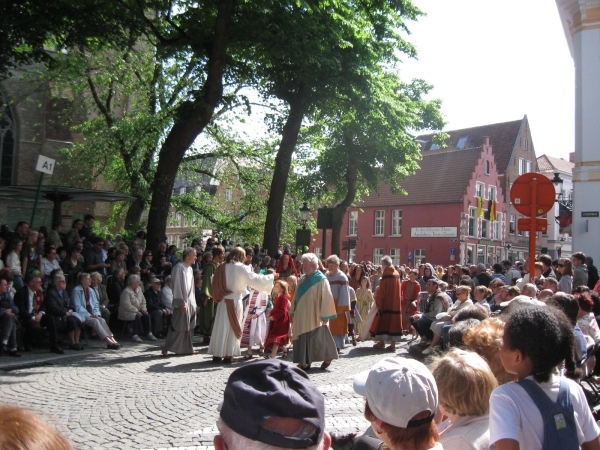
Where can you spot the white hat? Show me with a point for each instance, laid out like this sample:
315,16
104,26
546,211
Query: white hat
398,389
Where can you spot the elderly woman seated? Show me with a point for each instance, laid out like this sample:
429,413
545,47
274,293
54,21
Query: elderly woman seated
85,304
462,300
101,295
132,308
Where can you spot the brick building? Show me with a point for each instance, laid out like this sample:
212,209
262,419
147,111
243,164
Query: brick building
438,221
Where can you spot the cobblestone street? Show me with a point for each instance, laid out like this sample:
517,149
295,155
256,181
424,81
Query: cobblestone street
136,399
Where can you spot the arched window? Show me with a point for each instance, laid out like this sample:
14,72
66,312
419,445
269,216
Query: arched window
7,142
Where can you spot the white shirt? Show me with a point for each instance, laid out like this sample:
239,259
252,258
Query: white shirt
514,415
167,297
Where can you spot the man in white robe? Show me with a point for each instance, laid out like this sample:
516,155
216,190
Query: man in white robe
183,322
227,330
312,308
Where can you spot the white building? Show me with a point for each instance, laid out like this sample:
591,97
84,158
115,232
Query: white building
557,241
581,23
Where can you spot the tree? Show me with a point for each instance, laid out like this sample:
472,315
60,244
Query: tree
365,138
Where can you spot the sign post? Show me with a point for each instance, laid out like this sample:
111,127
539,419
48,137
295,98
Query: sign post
532,194
44,165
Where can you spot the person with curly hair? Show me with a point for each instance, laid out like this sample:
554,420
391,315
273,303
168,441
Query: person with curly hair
541,409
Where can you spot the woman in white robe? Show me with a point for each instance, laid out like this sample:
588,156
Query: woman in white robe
226,336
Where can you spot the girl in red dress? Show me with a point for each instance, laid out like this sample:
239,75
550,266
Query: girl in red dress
279,318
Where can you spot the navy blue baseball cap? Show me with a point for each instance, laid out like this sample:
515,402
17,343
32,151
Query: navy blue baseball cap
268,390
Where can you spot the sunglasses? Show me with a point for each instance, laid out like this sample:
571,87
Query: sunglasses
561,265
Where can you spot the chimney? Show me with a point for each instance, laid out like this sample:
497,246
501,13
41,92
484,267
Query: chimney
572,157
486,141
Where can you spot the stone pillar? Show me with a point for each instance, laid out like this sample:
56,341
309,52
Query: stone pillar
581,23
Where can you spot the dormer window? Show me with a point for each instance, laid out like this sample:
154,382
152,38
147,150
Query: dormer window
434,147
462,141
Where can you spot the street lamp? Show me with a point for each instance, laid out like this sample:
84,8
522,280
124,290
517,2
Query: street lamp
561,199
304,215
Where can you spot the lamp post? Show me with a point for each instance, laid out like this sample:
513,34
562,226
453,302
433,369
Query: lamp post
303,235
508,246
561,199
304,215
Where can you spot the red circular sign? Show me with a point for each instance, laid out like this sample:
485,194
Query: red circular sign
522,191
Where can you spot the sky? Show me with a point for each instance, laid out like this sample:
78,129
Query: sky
496,61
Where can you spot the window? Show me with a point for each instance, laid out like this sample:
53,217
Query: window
470,254
519,232
480,190
419,255
462,141
525,144
473,222
352,223
317,252
395,255
397,222
7,142
228,195
529,166
512,224
485,227
481,254
379,222
487,167
182,190
351,255
497,227
434,147
377,255
522,166
492,192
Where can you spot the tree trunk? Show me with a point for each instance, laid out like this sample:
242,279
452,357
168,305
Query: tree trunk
192,118
283,163
134,214
340,210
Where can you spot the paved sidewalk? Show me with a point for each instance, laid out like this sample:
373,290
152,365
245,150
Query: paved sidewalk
135,399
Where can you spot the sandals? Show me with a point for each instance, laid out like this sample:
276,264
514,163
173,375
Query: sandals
261,352
228,360
379,345
305,368
248,356
390,348
325,364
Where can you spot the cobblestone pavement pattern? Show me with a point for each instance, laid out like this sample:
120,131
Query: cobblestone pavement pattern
136,399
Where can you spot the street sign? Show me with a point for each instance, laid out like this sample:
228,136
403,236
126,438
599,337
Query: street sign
452,254
524,224
590,213
521,194
45,165
409,257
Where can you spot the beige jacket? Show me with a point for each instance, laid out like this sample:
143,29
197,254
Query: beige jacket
131,303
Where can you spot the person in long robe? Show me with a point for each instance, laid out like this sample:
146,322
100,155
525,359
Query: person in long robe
313,307
183,321
279,320
227,330
255,322
410,294
338,282
388,324
206,304
364,301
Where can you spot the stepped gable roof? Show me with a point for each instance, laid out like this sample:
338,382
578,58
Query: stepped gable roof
503,137
549,163
443,178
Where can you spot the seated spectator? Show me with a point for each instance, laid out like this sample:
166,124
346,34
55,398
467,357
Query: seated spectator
401,402
436,304
118,262
462,300
135,260
465,383
13,261
116,286
481,296
486,340
132,308
156,308
570,307
85,304
58,304
101,295
29,301
72,267
21,429
163,267
31,255
271,405
146,265
54,235
50,261
9,321
542,409
166,293
458,330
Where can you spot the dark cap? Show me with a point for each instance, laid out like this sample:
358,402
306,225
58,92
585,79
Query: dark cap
271,389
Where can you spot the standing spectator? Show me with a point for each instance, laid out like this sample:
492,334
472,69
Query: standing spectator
183,322
132,308
58,304
72,267
565,268
498,275
85,232
312,307
73,235
547,271
54,235
101,295
93,259
29,301
31,256
482,277
592,272
580,277
156,308
21,231
387,326
512,274
9,320
85,304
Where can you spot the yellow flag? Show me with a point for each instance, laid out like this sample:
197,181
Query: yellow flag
479,206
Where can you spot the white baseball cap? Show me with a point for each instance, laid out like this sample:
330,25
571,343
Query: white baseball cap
398,389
